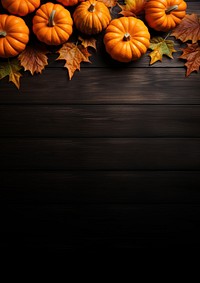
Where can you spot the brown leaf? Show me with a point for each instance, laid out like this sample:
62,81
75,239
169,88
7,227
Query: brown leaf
132,7
11,69
34,59
188,29
160,47
88,42
109,3
73,55
192,54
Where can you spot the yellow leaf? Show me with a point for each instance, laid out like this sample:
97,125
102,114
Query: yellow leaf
34,59
88,42
160,47
132,7
11,69
73,55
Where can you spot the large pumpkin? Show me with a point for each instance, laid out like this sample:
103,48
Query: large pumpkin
164,15
14,35
52,24
69,2
20,7
91,17
126,39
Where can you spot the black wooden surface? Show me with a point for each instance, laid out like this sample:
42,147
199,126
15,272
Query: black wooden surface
108,160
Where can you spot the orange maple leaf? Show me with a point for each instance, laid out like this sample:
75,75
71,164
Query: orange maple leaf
34,59
132,7
192,54
188,29
88,42
73,55
109,3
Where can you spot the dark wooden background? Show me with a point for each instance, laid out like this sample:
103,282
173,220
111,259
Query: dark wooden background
108,160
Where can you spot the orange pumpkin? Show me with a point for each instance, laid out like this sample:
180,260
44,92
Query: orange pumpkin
20,7
164,15
126,39
52,24
14,35
69,2
91,17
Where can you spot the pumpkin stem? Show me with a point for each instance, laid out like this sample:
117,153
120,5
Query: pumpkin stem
51,19
3,33
171,8
127,37
91,8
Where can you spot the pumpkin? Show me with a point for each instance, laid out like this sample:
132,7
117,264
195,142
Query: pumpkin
126,39
52,24
164,15
69,2
91,17
20,7
14,35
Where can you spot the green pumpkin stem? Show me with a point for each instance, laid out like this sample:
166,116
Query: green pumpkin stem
126,37
171,8
3,33
91,8
51,19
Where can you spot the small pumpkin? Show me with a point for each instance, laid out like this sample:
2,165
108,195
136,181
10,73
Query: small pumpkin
20,7
69,2
14,35
91,17
164,15
126,39
52,24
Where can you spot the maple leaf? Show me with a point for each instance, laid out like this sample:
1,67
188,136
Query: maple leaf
88,42
34,59
73,55
109,3
188,29
192,54
160,47
11,69
132,7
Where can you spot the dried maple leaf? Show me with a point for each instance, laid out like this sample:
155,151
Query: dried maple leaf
11,69
109,3
34,59
192,54
132,7
188,29
73,55
88,42
160,47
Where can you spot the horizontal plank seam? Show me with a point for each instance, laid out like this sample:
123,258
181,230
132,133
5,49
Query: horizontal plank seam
100,171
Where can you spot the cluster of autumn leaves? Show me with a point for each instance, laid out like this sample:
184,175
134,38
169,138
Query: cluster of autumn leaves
34,57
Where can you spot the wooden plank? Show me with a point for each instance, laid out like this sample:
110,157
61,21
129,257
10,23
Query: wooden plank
105,86
100,154
100,121
94,226
36,187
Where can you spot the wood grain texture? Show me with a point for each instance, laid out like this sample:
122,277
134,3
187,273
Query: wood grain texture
105,86
99,187
100,154
102,226
100,121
